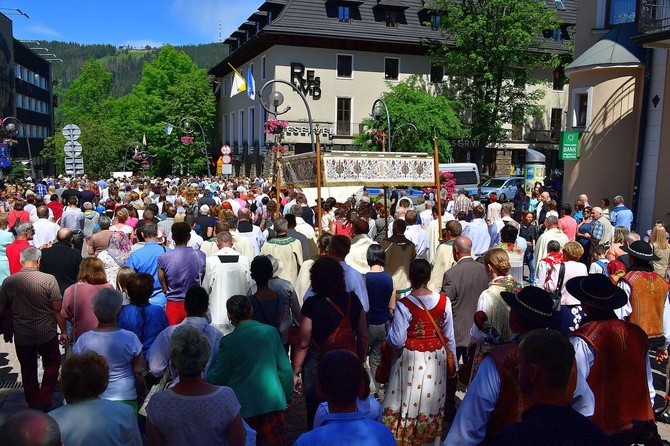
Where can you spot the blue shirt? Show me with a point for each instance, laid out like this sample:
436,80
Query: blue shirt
146,322
380,287
145,260
349,428
622,216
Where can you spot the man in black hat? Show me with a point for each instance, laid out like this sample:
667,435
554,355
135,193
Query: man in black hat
492,401
612,355
647,292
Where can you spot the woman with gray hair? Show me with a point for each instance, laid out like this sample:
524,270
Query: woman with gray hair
193,411
121,348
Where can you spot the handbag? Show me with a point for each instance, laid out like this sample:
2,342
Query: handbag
166,380
557,293
451,360
383,372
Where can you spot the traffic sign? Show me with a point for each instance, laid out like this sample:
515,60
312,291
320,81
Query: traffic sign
75,166
71,132
227,169
226,159
226,150
72,149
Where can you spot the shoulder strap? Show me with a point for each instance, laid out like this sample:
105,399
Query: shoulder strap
432,320
336,307
561,276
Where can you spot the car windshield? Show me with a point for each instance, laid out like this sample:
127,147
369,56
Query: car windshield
494,182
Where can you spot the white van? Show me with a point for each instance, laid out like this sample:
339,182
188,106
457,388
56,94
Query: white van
466,176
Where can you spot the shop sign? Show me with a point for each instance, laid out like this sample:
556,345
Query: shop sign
569,147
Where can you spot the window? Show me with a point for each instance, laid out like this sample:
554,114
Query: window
240,134
556,123
343,14
252,125
581,105
435,22
436,73
391,68
582,109
391,19
344,116
620,11
559,80
345,64
263,67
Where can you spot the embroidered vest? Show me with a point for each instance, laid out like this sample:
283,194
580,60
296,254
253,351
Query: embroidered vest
618,377
647,297
512,402
421,335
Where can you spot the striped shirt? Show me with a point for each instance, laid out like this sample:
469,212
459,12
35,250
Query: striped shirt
29,294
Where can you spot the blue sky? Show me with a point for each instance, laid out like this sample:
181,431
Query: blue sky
125,22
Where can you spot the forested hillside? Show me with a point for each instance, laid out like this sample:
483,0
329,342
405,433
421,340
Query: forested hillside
125,64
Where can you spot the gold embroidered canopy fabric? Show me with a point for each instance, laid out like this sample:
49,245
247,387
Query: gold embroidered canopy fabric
359,168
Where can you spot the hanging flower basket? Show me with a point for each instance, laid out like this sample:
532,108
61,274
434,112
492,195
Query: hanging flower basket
275,126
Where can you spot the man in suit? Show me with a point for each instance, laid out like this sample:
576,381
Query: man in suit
463,283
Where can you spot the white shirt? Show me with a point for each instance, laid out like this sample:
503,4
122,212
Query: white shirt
426,217
195,241
469,426
45,232
419,237
478,231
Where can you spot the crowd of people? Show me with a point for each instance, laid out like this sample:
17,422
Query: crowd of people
194,310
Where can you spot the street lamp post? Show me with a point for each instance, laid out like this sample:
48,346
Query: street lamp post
186,125
277,99
377,114
10,126
137,147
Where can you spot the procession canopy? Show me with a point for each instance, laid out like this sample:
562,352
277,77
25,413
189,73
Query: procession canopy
359,168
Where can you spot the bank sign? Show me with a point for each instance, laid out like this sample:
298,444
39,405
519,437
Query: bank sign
569,148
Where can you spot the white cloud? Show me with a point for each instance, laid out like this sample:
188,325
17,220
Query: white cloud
141,43
204,16
42,30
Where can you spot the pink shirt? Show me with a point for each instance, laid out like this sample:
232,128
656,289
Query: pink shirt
568,225
78,308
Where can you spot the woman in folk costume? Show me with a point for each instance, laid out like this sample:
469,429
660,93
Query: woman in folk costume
490,301
414,401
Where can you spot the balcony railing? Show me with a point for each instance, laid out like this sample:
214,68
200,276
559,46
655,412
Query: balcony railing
542,136
654,16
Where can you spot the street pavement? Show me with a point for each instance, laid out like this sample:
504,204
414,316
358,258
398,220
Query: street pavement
12,399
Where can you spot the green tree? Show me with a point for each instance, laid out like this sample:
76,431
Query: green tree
492,53
172,87
416,115
88,103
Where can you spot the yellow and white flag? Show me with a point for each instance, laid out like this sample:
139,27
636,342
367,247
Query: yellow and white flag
239,84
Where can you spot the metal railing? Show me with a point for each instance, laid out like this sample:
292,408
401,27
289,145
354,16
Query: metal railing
654,16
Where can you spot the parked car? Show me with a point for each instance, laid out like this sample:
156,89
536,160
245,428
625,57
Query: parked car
504,188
